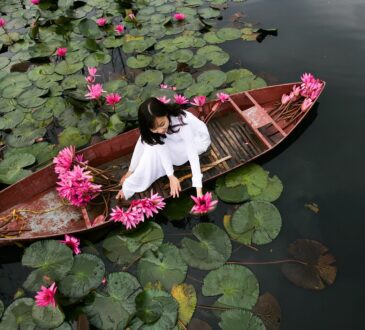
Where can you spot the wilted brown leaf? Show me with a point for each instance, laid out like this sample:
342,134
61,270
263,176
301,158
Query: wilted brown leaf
312,206
268,309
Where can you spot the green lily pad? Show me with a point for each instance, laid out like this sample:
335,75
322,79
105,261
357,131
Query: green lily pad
11,119
7,105
236,194
74,81
68,117
213,78
236,285
85,275
164,265
201,88
18,315
228,33
123,248
65,68
72,135
259,222
112,42
180,80
31,98
238,74
11,168
4,62
47,317
139,61
271,192
156,310
24,136
115,126
113,86
252,175
185,295
198,61
90,123
182,55
212,38
211,251
40,71
149,77
89,28
178,208
131,91
97,58
218,58
128,109
50,258
13,84
248,84
208,12
236,319
114,309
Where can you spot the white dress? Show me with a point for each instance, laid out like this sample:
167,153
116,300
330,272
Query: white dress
150,162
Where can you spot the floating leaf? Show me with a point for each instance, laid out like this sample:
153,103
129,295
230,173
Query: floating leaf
50,258
156,310
180,80
164,265
47,317
11,119
97,58
72,135
208,12
178,208
13,84
212,38
24,136
182,55
114,310
139,61
237,74
4,61
31,98
236,285
125,247
201,88
7,105
112,42
315,268
115,126
239,319
85,275
185,295
214,78
228,33
149,77
114,85
218,58
252,175
11,168
18,315
236,194
268,309
198,61
65,68
89,28
73,81
258,222
211,251
271,192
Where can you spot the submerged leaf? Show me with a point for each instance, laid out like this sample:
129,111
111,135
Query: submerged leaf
268,309
315,269
185,295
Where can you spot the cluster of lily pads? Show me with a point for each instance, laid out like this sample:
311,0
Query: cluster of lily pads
150,285
42,96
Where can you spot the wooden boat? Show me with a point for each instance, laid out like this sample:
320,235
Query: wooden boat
242,129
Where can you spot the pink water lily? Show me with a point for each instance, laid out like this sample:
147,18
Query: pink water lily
164,99
112,99
35,2
223,97
61,52
128,218
2,22
285,99
307,78
95,91
203,204
307,103
296,90
80,159
92,71
63,160
199,100
164,86
104,281
180,99
101,21
73,243
119,29
90,79
46,297
179,16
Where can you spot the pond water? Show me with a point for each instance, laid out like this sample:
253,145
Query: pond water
322,163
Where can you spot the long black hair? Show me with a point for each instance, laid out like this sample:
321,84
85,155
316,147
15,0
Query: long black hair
152,108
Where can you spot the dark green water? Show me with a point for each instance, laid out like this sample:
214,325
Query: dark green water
322,163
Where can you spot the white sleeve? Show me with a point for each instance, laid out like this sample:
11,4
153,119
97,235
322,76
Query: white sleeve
137,154
193,155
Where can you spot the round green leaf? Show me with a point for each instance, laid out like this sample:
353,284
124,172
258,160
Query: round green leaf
74,81
158,308
17,161
65,68
218,58
211,251
139,61
259,221
72,135
13,84
239,319
198,61
271,192
47,317
114,309
182,55
31,98
112,42
7,105
201,88
115,126
50,258
149,77
114,85
85,275
213,78
180,80
238,74
4,61
228,33
164,265
236,194
236,285
89,28
212,38
208,12
96,59
24,136
11,119
18,315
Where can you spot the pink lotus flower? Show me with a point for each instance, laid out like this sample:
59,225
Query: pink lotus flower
307,78
180,99
285,99
307,103
199,100
179,16
90,79
104,281
119,29
80,159
164,99
157,201
223,97
164,86
73,243
61,52
92,71
2,22
63,160
35,2
296,91
95,91
127,218
112,99
45,296
203,204
131,16
101,21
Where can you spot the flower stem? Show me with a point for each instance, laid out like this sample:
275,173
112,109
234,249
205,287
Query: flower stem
266,262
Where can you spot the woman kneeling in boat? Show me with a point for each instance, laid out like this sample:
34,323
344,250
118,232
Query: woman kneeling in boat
169,136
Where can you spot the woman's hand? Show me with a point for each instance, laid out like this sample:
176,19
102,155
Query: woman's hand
124,177
199,192
120,194
174,186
